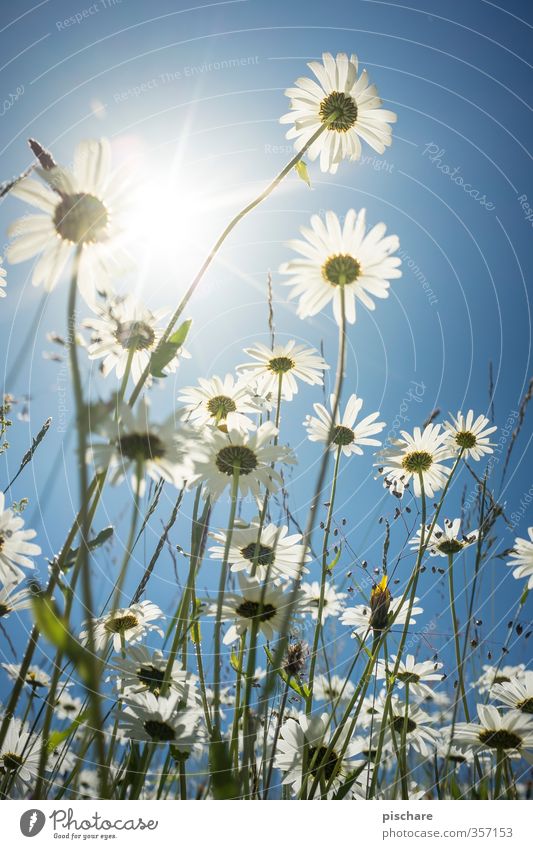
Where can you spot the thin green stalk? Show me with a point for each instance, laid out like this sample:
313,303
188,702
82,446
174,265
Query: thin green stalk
403,746
455,626
93,684
220,599
325,544
220,241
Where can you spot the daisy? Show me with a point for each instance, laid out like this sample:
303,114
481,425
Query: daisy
127,331
345,103
313,733
498,675
517,693
2,279
522,558
12,599
142,670
339,263
379,613
469,435
421,735
128,624
413,456
15,550
412,673
332,605
225,403
35,678
250,454
263,550
266,606
160,720
67,706
329,688
344,433
140,447
511,732
19,756
283,363
455,756
369,711
444,541
81,210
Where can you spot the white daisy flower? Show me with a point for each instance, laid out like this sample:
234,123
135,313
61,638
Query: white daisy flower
455,756
346,102
498,675
15,550
444,541
126,623
412,673
138,446
89,783
67,706
273,551
333,601
289,362
316,733
19,756
123,329
516,693
336,259
251,453
254,603
160,720
380,612
82,210
511,732
223,402
329,688
522,558
36,678
368,713
142,670
344,434
421,734
421,453
3,281
472,436
13,599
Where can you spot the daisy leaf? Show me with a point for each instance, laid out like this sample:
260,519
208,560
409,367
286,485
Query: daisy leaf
303,173
166,351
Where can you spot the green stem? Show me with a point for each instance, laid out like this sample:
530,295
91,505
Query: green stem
318,628
93,683
220,599
455,626
218,244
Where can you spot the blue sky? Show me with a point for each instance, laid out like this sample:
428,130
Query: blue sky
192,95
